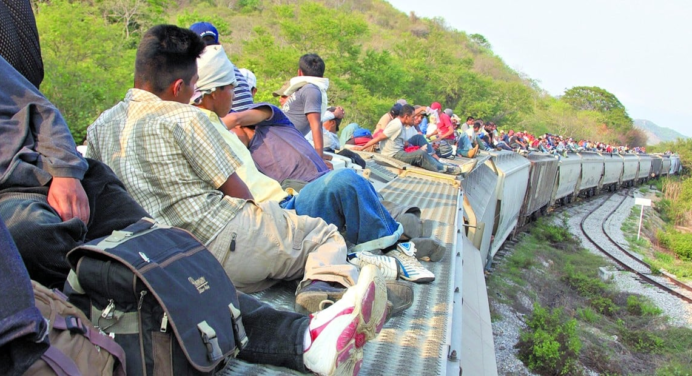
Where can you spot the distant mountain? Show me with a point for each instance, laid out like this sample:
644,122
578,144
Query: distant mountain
655,133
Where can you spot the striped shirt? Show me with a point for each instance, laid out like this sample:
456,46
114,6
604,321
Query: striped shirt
171,159
242,97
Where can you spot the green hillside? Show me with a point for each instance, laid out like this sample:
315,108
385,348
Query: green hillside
374,53
657,134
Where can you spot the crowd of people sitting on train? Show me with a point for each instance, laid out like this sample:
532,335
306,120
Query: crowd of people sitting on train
188,147
254,182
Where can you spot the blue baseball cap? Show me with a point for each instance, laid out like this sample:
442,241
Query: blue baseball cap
204,29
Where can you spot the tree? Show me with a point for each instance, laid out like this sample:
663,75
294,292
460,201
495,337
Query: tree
600,100
480,40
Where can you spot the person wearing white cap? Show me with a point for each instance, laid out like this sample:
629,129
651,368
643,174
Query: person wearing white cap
251,80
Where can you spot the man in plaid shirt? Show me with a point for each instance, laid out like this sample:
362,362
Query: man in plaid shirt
177,166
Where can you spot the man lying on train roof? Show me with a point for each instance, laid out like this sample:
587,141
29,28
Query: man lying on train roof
342,197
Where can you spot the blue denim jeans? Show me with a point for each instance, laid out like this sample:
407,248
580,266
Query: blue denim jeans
420,140
21,323
464,145
421,159
348,201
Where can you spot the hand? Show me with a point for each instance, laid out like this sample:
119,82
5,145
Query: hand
357,148
67,197
329,165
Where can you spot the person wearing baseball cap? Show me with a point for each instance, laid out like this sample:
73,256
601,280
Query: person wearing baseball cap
251,80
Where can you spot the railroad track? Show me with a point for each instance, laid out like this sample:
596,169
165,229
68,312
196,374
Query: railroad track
626,260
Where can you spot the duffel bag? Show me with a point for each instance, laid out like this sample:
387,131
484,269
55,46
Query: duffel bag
162,296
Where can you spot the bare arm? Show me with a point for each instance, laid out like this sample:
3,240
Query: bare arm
235,187
316,129
247,118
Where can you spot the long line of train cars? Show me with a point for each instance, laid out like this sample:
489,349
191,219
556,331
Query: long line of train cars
506,190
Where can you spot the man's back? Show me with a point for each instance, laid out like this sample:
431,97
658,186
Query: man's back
171,160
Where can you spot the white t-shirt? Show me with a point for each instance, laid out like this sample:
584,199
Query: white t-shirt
408,132
394,142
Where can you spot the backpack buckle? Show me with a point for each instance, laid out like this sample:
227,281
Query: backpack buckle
75,325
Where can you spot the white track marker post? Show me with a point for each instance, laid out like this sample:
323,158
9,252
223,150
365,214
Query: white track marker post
643,202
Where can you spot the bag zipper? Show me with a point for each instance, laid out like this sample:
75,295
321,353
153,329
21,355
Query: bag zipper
108,311
139,319
164,322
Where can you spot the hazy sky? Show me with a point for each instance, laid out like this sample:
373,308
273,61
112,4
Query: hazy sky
641,51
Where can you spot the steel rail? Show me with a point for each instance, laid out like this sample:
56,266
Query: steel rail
641,275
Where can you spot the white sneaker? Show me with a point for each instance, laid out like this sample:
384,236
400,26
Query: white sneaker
388,266
410,268
339,332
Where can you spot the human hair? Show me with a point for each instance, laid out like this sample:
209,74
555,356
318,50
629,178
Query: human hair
469,118
336,119
395,111
311,65
477,124
165,54
406,110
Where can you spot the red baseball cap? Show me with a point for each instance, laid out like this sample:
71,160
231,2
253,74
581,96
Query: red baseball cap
436,106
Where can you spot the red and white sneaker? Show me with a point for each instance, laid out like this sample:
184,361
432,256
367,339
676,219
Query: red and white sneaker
339,332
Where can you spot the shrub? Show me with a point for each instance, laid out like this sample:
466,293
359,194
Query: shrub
583,284
587,315
550,345
640,307
641,340
604,305
678,242
551,233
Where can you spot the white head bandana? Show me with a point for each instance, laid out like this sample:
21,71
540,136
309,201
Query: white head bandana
214,70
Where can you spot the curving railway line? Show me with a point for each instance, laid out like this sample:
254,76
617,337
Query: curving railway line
597,233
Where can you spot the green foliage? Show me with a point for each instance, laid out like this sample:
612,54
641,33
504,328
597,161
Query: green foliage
676,241
604,305
639,307
187,18
641,340
88,68
550,345
587,315
599,100
554,234
248,6
586,286
374,56
480,40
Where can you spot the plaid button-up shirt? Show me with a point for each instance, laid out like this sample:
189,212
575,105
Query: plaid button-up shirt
171,160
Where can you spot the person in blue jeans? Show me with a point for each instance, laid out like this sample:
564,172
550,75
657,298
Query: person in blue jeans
271,149
465,147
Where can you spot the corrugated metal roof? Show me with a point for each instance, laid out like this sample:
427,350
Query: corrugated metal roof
416,341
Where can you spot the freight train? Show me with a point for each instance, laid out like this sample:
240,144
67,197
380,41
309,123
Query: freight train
506,190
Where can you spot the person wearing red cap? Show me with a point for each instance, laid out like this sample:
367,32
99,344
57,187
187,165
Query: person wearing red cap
445,128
